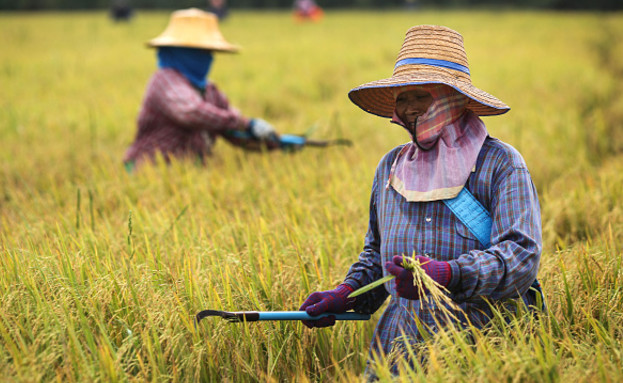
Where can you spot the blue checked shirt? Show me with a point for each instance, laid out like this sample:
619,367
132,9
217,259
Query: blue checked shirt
505,270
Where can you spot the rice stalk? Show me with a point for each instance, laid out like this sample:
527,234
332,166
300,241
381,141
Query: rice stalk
430,292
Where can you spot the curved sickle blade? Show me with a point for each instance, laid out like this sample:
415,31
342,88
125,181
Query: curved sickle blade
213,313
240,316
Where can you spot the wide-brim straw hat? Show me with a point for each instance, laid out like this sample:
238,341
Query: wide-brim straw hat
430,54
193,28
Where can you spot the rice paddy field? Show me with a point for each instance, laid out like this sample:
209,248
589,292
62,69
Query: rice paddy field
101,272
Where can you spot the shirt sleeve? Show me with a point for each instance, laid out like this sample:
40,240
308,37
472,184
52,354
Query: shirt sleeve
368,268
179,101
509,266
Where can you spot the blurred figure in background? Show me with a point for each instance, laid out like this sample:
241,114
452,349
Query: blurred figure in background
412,5
219,8
458,202
121,10
307,10
183,113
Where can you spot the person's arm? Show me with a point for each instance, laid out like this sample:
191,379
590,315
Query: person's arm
183,104
366,270
509,266
259,136
369,267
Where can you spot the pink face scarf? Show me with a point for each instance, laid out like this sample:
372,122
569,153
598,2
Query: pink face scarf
449,138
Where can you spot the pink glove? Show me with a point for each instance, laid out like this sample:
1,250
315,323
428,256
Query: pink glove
333,301
438,270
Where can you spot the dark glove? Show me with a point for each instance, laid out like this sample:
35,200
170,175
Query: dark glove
334,301
262,130
439,271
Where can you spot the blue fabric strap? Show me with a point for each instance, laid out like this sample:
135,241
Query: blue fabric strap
432,62
473,215
478,220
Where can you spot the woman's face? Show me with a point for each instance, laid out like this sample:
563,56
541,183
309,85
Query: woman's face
412,104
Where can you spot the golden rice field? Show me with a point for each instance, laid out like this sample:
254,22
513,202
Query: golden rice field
101,272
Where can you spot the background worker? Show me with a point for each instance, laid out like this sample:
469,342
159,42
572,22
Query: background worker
307,10
219,8
450,157
183,113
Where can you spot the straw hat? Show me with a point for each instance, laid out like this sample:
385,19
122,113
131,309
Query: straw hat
430,54
193,28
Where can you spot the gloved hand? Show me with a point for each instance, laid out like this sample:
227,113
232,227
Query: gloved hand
334,301
262,130
439,271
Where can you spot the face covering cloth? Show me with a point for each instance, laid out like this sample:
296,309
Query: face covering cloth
193,63
436,164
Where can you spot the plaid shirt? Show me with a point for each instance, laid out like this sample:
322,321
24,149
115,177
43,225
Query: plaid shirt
177,120
503,271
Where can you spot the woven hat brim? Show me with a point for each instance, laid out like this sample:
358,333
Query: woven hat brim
165,41
377,97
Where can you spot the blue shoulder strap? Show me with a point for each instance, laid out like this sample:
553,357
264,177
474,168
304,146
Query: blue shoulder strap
473,215
478,220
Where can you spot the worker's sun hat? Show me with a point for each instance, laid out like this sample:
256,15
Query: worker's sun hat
193,28
430,54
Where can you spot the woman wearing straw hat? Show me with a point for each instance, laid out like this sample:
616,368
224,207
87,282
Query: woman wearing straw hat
459,202
182,113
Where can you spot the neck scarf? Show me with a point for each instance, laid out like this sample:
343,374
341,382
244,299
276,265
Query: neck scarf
193,63
439,160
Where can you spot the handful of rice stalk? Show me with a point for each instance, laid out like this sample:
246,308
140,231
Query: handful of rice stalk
429,290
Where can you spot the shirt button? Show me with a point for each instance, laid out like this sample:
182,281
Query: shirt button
428,219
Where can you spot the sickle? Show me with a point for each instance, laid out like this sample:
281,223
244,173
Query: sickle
253,316
291,141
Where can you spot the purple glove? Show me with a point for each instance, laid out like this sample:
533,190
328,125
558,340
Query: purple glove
333,301
439,271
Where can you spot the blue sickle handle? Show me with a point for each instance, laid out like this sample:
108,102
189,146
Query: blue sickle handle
253,316
302,315
284,139
289,142
290,139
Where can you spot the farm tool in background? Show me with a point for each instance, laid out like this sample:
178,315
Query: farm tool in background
285,142
254,316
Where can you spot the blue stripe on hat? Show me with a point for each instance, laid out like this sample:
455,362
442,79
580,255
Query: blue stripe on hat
433,62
